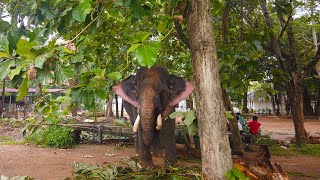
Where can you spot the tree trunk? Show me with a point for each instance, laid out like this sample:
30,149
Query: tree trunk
283,111
109,112
295,95
307,108
215,149
245,101
290,66
117,106
236,138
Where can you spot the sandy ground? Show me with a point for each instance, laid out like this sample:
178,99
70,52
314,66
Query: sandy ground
51,164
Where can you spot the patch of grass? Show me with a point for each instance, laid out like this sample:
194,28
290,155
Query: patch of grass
292,150
6,138
9,140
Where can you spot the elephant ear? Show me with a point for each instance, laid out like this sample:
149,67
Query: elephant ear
127,90
180,89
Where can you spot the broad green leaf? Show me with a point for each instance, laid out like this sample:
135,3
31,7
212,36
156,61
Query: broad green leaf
115,75
16,71
81,11
189,117
133,47
38,62
5,68
177,114
63,73
101,93
23,50
147,54
192,129
140,36
162,26
23,89
229,115
113,12
4,55
4,43
66,50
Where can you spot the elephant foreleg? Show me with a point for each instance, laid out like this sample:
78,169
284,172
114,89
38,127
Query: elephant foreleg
169,142
157,148
145,157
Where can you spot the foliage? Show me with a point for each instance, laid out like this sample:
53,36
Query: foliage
235,174
53,136
189,120
12,122
264,140
292,150
82,171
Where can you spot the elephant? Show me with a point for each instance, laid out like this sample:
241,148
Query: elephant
149,97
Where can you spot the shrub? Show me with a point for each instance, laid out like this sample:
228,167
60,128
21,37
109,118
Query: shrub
53,136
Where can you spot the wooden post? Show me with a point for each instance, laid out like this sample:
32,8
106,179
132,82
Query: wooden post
3,97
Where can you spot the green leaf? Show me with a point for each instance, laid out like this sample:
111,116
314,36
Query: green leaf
5,68
81,11
162,26
4,43
133,47
192,129
16,71
147,54
101,93
38,62
24,48
113,12
177,114
189,117
4,55
63,73
229,114
115,75
23,89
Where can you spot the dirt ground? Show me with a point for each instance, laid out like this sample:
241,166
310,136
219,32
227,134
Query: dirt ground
51,164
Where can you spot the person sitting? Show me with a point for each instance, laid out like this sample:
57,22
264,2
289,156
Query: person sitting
254,126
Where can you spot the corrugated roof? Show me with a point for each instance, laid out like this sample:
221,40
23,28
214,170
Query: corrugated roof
30,90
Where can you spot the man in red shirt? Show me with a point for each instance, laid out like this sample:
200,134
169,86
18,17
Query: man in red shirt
254,126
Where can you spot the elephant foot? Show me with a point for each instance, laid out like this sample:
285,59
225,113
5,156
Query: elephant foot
157,153
171,162
146,164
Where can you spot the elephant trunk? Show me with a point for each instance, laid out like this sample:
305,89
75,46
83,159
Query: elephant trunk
148,126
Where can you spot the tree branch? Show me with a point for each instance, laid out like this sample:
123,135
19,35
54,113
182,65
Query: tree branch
181,35
308,69
284,28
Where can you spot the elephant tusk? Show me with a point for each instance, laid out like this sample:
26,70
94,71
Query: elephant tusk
159,122
136,124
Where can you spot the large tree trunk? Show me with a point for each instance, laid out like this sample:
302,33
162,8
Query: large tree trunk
307,108
215,149
236,138
283,110
245,101
295,95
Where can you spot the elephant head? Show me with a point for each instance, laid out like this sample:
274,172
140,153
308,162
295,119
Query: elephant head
155,93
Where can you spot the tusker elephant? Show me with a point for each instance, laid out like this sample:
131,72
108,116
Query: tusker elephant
150,96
